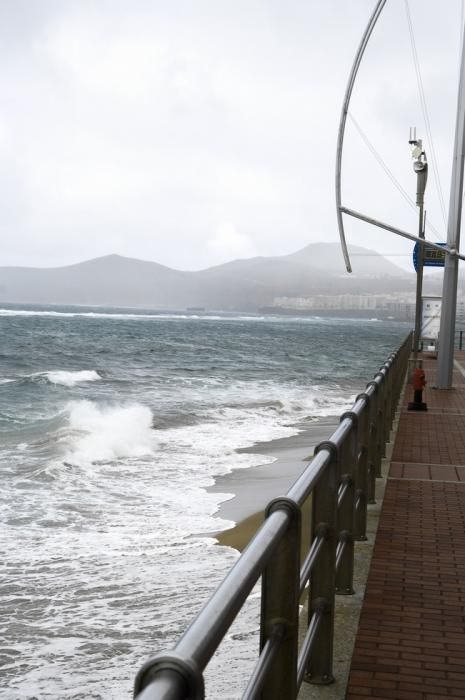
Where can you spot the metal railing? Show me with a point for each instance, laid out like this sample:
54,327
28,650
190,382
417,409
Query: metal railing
341,480
459,339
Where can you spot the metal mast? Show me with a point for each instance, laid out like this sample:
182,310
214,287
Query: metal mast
449,290
420,166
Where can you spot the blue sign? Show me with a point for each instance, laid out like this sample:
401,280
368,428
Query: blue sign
432,257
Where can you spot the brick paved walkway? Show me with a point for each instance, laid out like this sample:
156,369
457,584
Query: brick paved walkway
410,643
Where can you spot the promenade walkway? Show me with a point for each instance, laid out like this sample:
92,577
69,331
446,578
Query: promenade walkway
410,642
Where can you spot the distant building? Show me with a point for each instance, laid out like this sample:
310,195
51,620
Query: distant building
399,304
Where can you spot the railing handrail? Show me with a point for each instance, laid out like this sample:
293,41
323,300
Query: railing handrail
352,457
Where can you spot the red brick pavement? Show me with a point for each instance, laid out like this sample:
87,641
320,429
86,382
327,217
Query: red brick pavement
410,643
433,438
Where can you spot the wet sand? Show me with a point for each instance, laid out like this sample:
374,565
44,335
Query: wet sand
255,487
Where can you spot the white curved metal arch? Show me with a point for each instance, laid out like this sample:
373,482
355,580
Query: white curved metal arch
342,125
451,250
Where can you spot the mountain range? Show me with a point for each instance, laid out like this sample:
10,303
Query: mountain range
246,285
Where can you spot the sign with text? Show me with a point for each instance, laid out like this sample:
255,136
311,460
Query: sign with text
433,256
430,317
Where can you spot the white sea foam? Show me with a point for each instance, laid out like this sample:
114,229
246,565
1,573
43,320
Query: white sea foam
117,315
105,433
66,378
129,315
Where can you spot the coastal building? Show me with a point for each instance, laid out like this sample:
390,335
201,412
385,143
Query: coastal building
400,304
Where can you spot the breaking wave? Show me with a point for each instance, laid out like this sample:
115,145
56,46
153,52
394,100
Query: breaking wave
67,378
107,433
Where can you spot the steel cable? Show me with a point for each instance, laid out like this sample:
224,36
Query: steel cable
388,172
425,113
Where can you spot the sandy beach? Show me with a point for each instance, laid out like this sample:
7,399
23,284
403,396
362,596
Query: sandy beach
253,488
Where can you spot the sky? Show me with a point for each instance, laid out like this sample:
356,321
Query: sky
193,133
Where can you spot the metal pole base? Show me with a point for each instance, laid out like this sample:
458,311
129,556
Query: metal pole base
319,680
417,406
345,591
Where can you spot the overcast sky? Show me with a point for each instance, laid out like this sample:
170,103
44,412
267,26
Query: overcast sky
195,132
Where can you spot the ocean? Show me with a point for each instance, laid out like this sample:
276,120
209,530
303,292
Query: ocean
113,425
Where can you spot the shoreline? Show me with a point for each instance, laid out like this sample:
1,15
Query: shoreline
255,487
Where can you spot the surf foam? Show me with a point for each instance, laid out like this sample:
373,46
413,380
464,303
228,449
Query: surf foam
106,433
66,378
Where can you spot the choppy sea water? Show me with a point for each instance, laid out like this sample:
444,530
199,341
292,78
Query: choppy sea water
113,424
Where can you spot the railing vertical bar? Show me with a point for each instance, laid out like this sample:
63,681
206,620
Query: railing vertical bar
319,669
269,651
383,418
345,514
307,646
361,473
373,440
280,602
310,562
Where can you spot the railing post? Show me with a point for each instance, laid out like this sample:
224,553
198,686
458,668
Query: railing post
322,581
380,424
361,473
386,390
280,605
345,512
401,372
390,394
398,371
373,456
385,372
404,355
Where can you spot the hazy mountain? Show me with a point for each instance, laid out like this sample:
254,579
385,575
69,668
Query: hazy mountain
248,284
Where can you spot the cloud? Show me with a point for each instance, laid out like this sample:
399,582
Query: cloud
229,244
137,129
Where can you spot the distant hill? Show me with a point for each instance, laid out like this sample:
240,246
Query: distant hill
244,285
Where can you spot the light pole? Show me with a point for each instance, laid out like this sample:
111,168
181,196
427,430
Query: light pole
420,166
